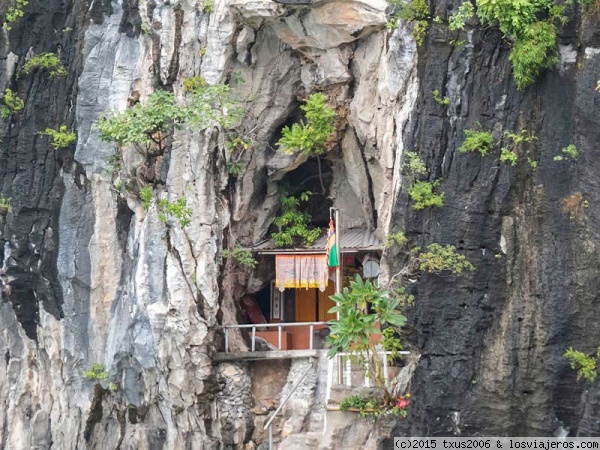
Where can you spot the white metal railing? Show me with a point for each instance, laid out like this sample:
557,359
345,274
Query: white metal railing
280,327
341,364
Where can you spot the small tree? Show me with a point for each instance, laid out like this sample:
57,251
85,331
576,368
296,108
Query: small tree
585,365
355,330
313,136
294,225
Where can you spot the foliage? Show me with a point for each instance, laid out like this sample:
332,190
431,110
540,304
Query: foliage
177,209
424,195
193,84
207,6
12,104
458,20
142,124
476,141
243,257
440,258
597,89
355,401
313,136
512,16
96,373
398,239
585,365
211,106
391,343
44,61
292,224
5,203
415,11
437,97
207,106
354,330
405,298
238,143
508,156
146,28
14,13
535,44
414,166
523,136
146,194
61,138
532,163
535,51
115,161
570,150
234,168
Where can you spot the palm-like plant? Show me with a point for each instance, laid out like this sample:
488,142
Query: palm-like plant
355,331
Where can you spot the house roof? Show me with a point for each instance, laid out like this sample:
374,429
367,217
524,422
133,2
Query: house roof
351,241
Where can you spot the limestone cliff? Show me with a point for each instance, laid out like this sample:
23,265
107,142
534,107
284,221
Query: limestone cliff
89,276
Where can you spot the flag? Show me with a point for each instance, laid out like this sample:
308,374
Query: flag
331,249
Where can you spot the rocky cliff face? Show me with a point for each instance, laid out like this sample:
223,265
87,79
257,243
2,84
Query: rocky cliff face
89,276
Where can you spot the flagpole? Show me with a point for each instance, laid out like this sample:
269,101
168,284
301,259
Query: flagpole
338,269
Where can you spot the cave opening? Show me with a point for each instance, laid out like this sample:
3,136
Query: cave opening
308,177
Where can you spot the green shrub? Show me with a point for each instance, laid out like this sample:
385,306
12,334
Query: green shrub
393,239
391,343
585,365
243,257
44,61
508,156
96,373
146,194
177,209
12,104
535,51
424,195
358,309
570,150
354,402
535,45
415,11
414,165
440,258
458,20
476,142
61,138
234,168
5,203
293,225
193,84
532,163
207,106
14,13
207,6
313,136
438,98
211,106
512,16
142,124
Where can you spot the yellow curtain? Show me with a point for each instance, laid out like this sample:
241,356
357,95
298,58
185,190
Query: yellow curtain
301,271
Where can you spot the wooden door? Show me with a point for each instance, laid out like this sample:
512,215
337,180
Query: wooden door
306,305
325,303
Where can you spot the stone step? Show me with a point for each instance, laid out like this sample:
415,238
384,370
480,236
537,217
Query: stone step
302,441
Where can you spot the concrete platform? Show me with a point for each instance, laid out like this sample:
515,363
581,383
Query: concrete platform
275,354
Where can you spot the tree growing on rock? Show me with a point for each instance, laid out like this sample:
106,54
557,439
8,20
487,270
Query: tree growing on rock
356,332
